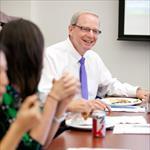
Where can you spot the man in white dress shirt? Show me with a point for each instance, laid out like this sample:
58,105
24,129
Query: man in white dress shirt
64,56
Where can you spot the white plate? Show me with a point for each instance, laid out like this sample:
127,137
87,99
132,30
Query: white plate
80,123
121,101
111,121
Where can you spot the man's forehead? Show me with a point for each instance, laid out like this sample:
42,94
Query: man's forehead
89,21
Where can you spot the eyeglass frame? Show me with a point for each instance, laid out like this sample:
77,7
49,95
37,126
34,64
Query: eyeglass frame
87,29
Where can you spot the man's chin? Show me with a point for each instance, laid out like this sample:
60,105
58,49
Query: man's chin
86,49
83,50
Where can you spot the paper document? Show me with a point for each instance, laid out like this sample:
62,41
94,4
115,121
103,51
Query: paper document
132,129
86,148
126,120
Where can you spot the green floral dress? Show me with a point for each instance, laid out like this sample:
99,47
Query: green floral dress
8,110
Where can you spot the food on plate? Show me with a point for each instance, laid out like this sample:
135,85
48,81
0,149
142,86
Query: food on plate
114,101
85,115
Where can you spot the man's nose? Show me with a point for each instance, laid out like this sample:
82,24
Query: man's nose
91,33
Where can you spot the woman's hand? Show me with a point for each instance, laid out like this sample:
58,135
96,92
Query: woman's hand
29,114
65,87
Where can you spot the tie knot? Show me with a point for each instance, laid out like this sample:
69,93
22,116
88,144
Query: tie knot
81,61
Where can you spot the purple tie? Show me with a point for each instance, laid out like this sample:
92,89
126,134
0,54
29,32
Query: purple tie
83,79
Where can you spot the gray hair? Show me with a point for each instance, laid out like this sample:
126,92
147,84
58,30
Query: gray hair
75,16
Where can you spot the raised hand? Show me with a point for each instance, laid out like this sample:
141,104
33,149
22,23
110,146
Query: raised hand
65,87
29,114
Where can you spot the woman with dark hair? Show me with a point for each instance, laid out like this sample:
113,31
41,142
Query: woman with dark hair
24,53
28,112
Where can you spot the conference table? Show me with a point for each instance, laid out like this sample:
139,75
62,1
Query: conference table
81,138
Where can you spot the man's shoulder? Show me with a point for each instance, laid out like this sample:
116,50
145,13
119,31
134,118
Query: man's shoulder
94,57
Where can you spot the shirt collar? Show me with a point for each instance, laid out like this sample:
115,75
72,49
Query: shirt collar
74,53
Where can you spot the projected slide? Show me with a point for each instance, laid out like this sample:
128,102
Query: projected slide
137,17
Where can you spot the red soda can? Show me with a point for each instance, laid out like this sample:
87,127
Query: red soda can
98,123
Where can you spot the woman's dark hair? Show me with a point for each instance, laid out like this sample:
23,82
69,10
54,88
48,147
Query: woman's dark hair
24,45
2,48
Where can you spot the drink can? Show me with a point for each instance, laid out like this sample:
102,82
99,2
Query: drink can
98,124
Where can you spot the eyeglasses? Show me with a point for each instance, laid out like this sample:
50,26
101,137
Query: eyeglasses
87,29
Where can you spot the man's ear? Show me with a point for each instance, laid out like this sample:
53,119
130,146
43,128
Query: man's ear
70,28
53,81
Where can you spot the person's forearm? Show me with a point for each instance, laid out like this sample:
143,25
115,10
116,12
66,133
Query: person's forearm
40,133
61,109
52,132
12,138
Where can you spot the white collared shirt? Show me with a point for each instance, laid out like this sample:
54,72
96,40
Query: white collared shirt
63,57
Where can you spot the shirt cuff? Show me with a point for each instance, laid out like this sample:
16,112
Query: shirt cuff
132,91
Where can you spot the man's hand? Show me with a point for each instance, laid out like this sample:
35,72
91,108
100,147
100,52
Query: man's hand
79,106
97,104
87,106
142,94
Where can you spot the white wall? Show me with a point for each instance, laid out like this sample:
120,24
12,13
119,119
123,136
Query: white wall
20,8
129,61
